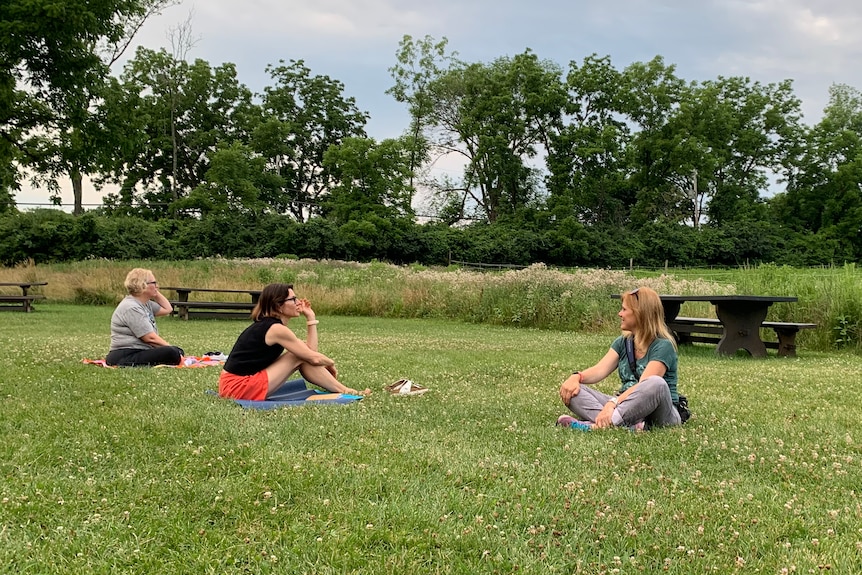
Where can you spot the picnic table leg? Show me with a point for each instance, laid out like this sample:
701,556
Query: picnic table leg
786,341
741,321
25,305
671,310
183,310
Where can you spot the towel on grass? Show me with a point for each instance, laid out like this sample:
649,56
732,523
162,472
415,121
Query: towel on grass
188,361
295,392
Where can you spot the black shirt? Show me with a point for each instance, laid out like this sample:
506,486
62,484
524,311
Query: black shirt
250,353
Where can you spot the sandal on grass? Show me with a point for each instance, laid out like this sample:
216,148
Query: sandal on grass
405,387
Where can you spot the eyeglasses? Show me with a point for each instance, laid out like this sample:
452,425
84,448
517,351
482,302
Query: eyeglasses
293,299
153,283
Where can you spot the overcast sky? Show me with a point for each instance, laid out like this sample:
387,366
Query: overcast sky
815,44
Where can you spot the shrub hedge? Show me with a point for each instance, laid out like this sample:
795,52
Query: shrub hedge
50,236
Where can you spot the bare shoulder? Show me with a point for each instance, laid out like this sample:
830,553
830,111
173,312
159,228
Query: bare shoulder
278,332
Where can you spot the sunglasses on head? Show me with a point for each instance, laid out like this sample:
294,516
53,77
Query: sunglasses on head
634,292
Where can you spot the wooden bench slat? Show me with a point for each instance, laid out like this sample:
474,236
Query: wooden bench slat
214,304
687,329
19,302
787,325
186,308
20,297
715,329
696,320
211,314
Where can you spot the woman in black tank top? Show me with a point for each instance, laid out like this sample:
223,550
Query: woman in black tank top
267,352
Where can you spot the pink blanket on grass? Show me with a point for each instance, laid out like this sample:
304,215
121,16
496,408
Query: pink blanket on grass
188,361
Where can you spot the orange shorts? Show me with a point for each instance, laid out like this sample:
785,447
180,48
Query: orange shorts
252,387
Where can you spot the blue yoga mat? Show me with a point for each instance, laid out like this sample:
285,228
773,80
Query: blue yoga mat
295,392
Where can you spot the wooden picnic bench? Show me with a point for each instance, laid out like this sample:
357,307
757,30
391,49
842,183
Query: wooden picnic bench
186,308
23,302
737,325
710,330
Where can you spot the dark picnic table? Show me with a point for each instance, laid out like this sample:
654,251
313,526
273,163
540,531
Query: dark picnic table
740,318
188,308
23,302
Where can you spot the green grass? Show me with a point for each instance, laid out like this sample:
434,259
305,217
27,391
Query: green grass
140,471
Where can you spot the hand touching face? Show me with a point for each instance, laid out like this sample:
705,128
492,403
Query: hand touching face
152,288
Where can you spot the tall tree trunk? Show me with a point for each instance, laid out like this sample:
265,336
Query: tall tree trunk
77,191
174,195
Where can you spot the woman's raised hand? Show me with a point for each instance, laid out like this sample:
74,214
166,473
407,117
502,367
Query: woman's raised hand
304,307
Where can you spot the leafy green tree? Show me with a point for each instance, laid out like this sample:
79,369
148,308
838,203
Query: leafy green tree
183,112
569,243
301,117
824,193
420,62
716,150
587,157
54,58
753,133
497,117
233,183
650,93
370,178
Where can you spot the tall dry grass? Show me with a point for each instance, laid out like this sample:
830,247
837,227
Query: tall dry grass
536,296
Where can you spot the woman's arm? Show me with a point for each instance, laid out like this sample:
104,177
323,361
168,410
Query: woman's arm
654,367
606,366
154,339
163,302
304,307
280,334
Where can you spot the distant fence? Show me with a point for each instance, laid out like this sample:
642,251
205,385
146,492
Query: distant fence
486,267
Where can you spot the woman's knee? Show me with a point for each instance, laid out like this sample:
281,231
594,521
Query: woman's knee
283,366
654,384
175,354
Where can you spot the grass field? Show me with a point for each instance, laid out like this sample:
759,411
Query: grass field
140,471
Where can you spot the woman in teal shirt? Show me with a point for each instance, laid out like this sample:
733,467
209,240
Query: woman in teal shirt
646,398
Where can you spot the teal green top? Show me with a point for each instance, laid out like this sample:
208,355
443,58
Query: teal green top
659,350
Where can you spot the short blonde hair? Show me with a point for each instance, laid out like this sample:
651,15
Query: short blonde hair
136,280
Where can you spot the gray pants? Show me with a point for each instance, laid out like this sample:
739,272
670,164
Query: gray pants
649,402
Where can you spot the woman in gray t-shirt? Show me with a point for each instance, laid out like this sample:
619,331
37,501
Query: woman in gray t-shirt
648,395
135,339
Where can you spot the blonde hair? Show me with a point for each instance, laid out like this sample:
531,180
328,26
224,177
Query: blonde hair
136,281
648,310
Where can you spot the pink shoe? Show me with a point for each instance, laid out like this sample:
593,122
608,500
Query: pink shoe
571,422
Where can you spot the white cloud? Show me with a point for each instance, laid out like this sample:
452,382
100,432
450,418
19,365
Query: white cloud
330,21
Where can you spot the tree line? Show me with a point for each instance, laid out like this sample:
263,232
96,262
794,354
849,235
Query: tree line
586,164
